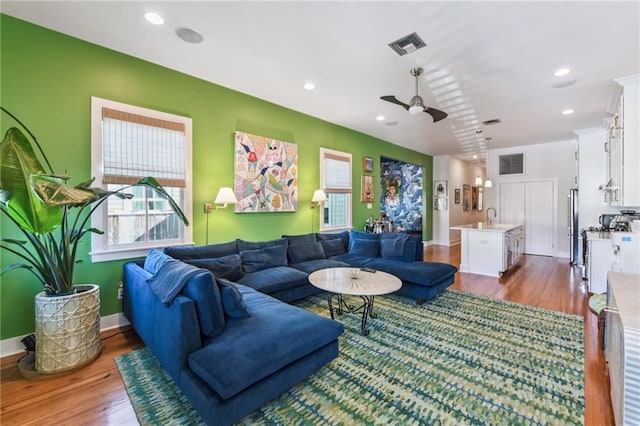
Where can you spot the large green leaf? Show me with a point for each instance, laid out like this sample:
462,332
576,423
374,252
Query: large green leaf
151,182
18,162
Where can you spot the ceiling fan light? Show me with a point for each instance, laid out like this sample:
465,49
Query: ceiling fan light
416,109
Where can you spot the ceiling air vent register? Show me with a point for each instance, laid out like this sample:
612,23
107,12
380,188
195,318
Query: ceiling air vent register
512,164
407,44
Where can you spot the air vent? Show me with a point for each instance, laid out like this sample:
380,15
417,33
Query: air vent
512,164
492,122
407,44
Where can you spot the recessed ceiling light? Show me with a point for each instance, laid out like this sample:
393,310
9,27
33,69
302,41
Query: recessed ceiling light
475,156
567,111
309,86
380,118
154,18
189,35
562,71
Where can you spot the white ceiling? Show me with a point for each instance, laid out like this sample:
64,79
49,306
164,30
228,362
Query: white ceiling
483,60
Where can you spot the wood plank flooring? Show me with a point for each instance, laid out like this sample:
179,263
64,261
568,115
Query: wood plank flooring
95,395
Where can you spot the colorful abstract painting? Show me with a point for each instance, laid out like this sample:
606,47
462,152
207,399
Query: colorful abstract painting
266,174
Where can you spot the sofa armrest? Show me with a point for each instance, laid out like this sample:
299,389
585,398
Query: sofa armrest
171,332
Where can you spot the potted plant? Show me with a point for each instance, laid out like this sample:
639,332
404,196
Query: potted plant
53,217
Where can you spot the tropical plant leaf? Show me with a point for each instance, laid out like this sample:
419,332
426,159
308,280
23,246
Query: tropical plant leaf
16,266
54,191
153,184
18,162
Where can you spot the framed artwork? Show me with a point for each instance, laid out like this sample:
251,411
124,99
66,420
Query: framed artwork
457,196
366,188
265,174
466,197
474,198
367,164
440,188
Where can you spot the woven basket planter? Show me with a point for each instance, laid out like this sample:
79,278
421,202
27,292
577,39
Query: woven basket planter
67,330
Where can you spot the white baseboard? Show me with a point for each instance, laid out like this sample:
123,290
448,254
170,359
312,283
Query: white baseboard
13,345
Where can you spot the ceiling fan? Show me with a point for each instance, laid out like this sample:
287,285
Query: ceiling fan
416,105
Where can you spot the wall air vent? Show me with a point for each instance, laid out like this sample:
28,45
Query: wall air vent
512,164
492,122
407,44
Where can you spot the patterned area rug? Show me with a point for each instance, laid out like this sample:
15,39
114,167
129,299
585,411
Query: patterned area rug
459,359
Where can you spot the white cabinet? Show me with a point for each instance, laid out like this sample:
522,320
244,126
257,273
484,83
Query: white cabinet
624,146
599,259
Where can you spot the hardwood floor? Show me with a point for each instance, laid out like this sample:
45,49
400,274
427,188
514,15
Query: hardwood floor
95,395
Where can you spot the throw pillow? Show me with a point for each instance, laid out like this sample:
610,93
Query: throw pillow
342,236
302,252
392,244
255,245
366,248
359,235
257,260
229,267
232,300
154,260
332,247
294,240
202,252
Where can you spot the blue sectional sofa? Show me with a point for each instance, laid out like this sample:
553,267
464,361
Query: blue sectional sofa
214,315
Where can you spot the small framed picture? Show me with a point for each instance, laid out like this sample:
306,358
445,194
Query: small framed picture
366,188
440,188
367,164
457,196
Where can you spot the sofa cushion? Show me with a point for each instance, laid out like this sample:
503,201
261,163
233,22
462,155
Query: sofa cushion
259,259
252,349
342,236
366,248
303,252
396,246
154,260
255,245
232,300
203,290
202,252
313,265
332,247
294,240
275,279
229,267
422,273
419,255
363,235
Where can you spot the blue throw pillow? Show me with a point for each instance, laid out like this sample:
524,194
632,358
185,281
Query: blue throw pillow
359,235
332,247
255,245
294,240
366,248
154,260
257,260
232,300
302,252
392,244
229,267
202,252
342,236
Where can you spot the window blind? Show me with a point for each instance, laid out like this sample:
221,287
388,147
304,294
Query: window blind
337,173
135,146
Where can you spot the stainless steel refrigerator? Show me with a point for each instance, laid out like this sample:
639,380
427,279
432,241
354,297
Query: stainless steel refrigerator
574,231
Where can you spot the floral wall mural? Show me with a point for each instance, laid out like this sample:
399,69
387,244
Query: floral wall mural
266,174
401,194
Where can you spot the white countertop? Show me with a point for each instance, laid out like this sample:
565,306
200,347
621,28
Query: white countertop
484,226
627,294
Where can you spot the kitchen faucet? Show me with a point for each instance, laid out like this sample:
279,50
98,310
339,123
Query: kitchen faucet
495,215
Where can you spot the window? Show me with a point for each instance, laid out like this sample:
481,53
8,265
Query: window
127,144
335,178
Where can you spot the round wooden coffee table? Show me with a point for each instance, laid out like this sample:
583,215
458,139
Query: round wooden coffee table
355,282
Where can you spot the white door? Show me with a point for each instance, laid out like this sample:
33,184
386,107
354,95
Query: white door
532,204
539,218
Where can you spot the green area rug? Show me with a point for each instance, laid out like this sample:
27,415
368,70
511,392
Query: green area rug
459,359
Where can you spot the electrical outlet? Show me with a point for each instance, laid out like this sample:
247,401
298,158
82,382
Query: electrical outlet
120,291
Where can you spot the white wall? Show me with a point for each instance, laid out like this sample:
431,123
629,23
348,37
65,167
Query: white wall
550,161
441,217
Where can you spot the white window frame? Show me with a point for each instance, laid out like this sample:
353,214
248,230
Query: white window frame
100,250
324,152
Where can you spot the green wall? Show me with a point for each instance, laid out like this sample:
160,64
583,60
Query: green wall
47,80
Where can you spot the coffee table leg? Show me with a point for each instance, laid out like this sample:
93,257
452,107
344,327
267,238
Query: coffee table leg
366,311
330,304
371,313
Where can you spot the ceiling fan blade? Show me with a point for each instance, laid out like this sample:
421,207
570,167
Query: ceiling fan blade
393,100
436,114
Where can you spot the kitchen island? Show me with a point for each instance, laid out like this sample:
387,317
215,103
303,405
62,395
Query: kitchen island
490,248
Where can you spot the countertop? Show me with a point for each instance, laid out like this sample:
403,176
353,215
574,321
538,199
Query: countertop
598,235
484,226
626,292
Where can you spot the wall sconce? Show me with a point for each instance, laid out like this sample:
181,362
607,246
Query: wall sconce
225,197
318,198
